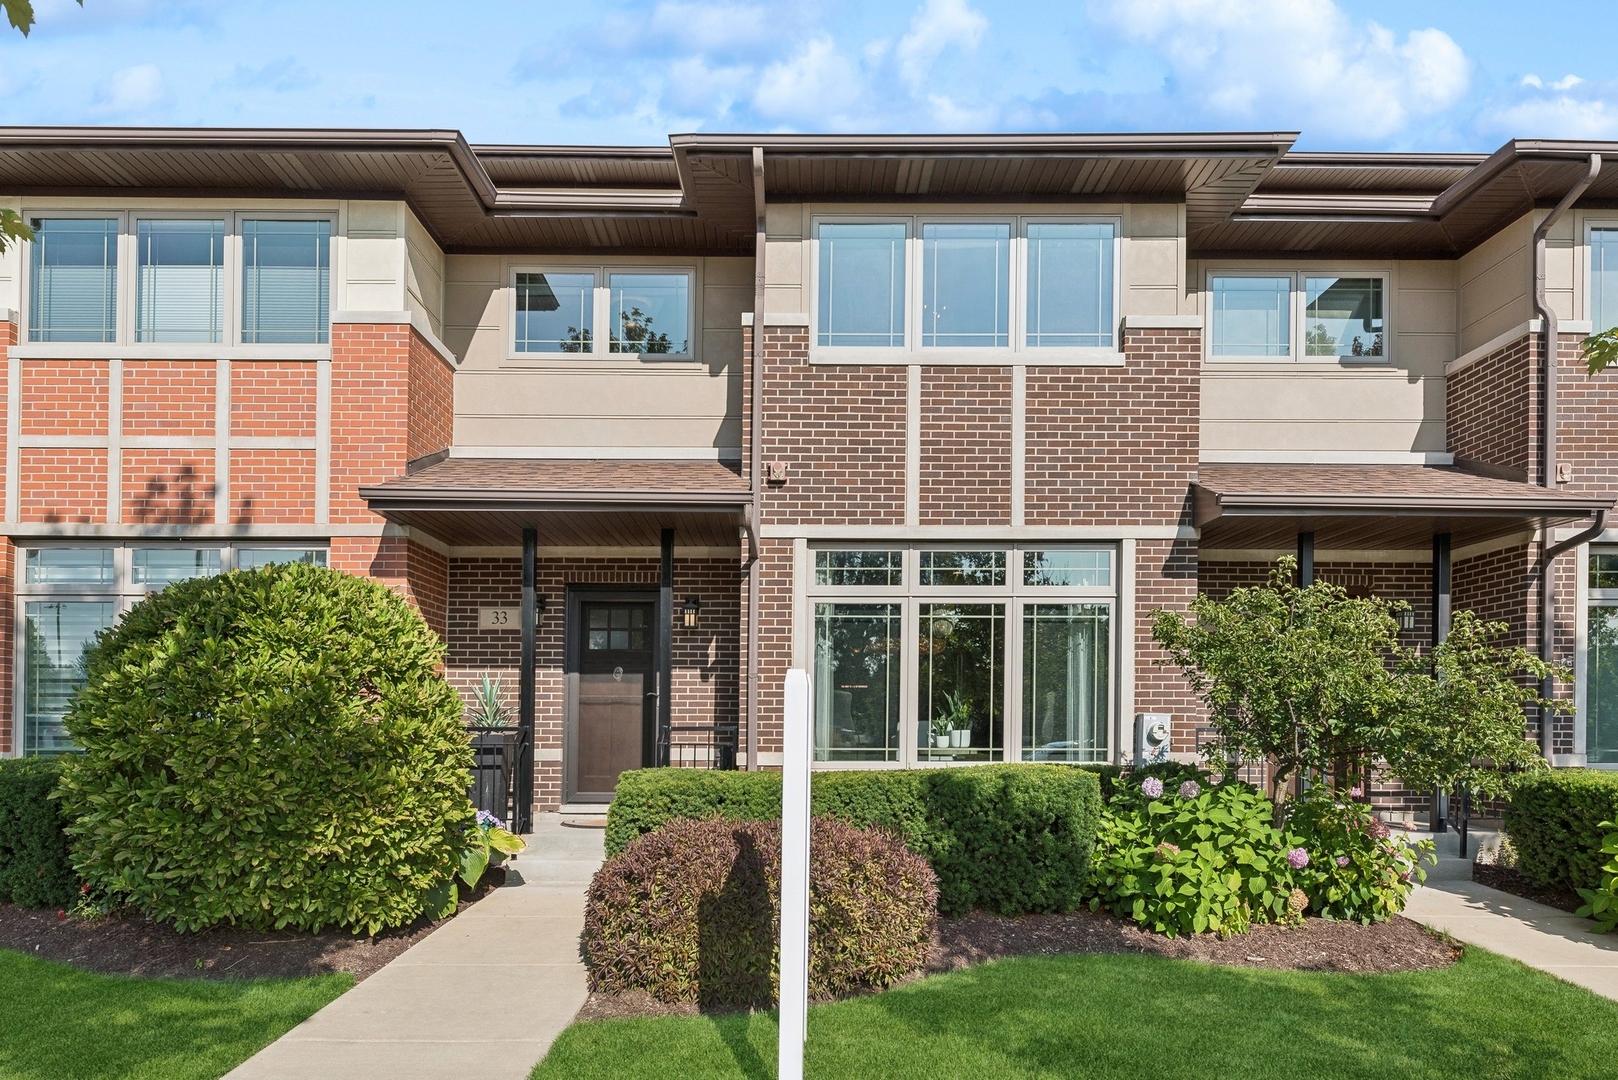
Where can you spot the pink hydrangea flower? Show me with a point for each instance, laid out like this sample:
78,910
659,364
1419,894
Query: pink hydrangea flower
1342,860
1151,787
1297,858
1377,830
1190,789
1356,792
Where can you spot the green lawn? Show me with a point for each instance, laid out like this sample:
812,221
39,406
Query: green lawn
58,1023
1134,1017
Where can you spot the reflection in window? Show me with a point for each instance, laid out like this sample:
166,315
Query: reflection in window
164,566
1603,570
1065,684
73,280
286,282
1069,568
862,285
1251,316
1603,278
966,568
857,682
56,637
555,312
1342,317
960,691
1601,687
651,313
1070,286
966,285
859,568
179,280
618,628
252,558
68,566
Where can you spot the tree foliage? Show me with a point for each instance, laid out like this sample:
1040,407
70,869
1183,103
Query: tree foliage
1599,350
1316,682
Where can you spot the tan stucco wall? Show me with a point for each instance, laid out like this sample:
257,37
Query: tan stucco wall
566,405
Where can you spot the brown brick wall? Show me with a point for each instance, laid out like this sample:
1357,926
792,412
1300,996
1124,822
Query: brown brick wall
839,429
1165,579
272,399
1116,444
774,639
705,661
168,487
1491,409
169,398
965,446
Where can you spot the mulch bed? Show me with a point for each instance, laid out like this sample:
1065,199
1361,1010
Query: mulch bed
1507,879
1317,945
128,944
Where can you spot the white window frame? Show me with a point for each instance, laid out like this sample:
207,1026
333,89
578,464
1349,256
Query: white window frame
122,592
1018,352
1014,596
124,343
1587,270
1298,304
601,312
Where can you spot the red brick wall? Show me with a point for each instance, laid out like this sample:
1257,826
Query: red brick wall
168,487
169,398
1116,445
272,399
64,397
704,678
418,573
272,487
965,446
432,399
839,429
62,485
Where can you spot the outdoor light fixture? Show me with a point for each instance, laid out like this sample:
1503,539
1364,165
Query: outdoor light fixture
539,607
689,612
1407,619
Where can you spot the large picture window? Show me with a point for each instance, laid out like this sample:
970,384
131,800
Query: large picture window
604,311
179,282
1601,659
69,594
941,655
286,282
73,280
977,286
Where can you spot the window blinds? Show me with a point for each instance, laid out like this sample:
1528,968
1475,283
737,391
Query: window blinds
180,281
286,282
73,280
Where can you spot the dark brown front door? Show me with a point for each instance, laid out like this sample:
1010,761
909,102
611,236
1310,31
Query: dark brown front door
615,703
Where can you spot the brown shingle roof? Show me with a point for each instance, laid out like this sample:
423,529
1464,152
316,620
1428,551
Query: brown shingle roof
567,480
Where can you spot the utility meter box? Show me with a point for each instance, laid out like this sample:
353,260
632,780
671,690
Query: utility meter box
1152,730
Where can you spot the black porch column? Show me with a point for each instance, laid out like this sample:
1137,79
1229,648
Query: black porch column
665,648
1441,621
525,684
1306,559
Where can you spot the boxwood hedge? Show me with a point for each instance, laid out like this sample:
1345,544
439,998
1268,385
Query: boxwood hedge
1009,838
1554,819
35,870
268,748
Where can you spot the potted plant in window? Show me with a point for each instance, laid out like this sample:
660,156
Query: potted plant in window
941,730
959,719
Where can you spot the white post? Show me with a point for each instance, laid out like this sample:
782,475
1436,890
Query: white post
794,1028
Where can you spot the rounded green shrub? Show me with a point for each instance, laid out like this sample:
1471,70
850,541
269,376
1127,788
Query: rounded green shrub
691,912
268,748
35,870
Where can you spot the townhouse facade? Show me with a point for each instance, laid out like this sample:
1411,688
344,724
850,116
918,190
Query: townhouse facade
942,420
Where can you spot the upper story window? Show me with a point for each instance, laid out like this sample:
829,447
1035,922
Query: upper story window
1267,315
179,273
73,293
1008,284
645,312
1603,278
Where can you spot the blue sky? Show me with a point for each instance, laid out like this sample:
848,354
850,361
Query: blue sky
1350,74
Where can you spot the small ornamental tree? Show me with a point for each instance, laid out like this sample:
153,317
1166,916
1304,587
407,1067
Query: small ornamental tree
1459,724
1297,676
268,748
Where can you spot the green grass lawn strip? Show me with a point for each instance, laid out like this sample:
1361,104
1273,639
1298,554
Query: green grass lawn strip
59,1023
1128,1017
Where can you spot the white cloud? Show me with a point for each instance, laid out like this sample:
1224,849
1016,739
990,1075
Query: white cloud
709,27
812,85
1305,60
937,25
1566,82
131,90
1559,117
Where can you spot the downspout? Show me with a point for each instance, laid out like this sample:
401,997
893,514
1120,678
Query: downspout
755,463
1549,361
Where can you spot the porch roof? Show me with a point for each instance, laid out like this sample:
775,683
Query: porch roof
573,502
1371,506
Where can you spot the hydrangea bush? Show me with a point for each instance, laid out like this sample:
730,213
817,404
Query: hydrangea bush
1352,866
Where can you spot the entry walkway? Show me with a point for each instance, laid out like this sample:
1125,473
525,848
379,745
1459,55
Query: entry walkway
1542,937
481,998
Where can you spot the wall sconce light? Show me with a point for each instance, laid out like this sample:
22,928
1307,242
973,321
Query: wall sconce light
540,603
1407,620
689,612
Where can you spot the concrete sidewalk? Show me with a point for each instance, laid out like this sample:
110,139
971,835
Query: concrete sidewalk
1542,937
481,998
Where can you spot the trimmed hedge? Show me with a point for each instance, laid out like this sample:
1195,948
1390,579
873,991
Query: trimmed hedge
691,912
272,748
35,869
1554,819
1007,838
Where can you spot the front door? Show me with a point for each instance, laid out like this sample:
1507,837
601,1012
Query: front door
614,700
